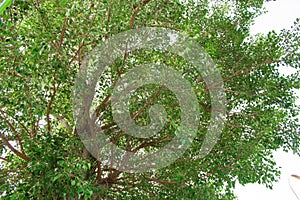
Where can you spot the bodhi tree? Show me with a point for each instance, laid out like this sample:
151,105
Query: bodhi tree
44,45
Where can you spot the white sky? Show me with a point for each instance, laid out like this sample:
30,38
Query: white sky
281,14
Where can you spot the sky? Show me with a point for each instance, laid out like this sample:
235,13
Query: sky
281,14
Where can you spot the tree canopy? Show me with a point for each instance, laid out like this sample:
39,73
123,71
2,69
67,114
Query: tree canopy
43,47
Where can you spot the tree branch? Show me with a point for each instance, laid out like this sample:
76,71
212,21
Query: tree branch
18,153
49,106
1,158
136,12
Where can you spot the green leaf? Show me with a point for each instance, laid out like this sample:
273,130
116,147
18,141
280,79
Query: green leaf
4,5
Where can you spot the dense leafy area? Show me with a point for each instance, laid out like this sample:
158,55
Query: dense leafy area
43,44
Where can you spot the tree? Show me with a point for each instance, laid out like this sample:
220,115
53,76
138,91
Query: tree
43,46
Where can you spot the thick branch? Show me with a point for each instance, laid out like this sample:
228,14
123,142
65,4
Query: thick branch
136,12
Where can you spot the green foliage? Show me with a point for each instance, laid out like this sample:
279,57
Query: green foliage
43,44
4,4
